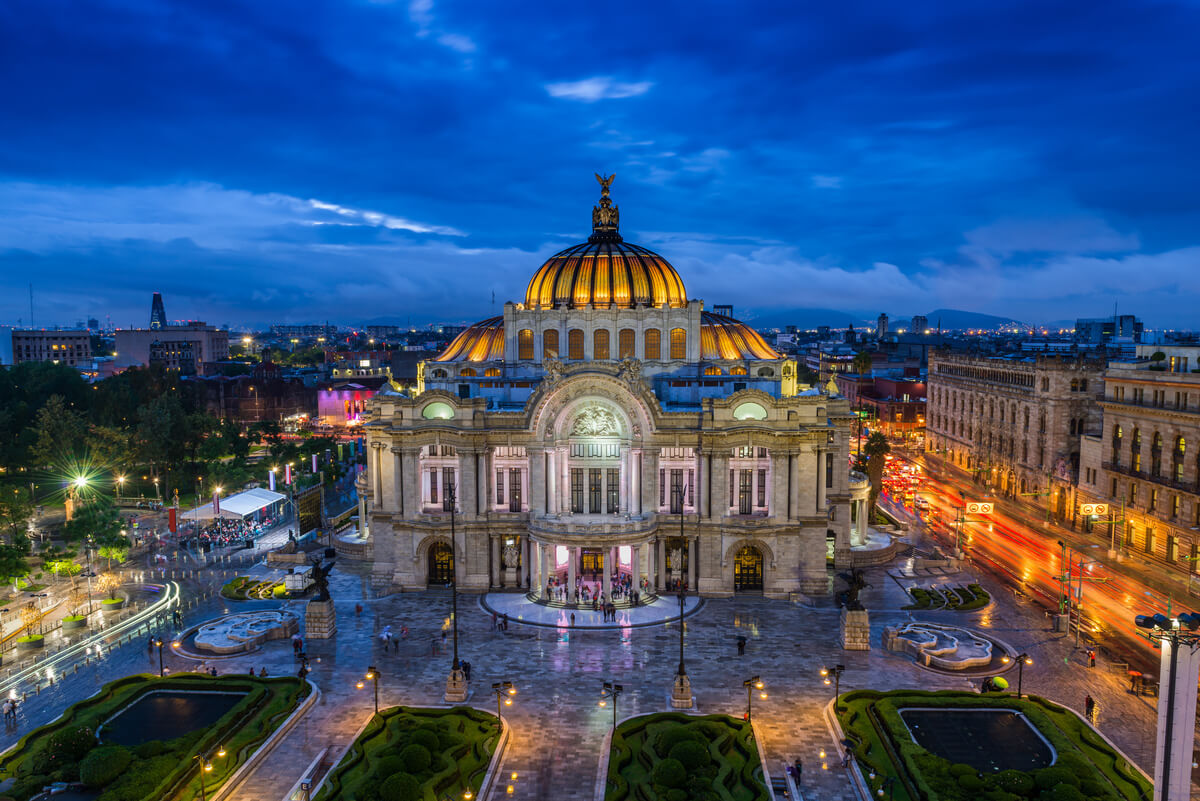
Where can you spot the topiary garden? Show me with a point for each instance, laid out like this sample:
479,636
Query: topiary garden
410,754
1085,767
68,750
677,757
959,599
243,588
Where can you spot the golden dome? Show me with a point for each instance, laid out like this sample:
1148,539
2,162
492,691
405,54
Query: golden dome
723,337
605,270
482,342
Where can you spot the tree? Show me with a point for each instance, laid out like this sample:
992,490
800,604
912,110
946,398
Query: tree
98,519
112,446
60,433
12,562
875,449
30,618
64,567
109,583
16,510
77,598
114,552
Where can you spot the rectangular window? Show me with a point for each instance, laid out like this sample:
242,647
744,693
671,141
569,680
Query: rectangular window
595,486
1149,540
448,498
625,348
1153,500
691,485
613,480
676,492
1129,535
829,471
525,344
514,489
575,344
600,344
550,344
678,343
499,487
745,482
762,488
1194,557
577,490
653,344
731,474
1132,498
1113,492
433,486
662,488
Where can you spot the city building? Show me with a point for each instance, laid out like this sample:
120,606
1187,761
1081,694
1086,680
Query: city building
342,402
158,315
881,327
1014,422
920,324
827,359
1103,330
895,406
264,395
608,424
72,348
186,348
326,331
1145,461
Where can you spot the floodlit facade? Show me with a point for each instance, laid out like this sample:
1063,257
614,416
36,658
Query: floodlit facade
608,427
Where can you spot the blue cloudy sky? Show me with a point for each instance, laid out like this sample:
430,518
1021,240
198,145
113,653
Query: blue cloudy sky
350,160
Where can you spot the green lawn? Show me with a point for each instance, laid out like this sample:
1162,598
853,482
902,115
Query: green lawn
1085,762
415,753
675,757
155,770
244,588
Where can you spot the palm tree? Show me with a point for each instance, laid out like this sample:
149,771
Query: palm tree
875,450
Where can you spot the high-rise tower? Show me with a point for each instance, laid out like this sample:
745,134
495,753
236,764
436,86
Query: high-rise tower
158,317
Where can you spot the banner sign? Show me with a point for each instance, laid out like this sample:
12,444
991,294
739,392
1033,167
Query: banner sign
271,480
314,462
216,504
172,522
287,474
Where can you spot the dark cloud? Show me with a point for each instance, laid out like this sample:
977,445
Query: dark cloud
150,144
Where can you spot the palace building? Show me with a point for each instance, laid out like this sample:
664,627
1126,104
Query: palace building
608,429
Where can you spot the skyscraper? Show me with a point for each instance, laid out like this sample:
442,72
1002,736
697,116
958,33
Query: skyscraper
158,317
881,326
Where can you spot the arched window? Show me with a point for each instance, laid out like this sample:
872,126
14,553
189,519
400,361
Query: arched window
712,370
467,372
600,344
439,374
653,344
738,371
575,344
1026,418
625,347
492,372
550,344
525,344
766,372
678,343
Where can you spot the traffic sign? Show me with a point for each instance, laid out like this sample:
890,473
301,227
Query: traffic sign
1093,508
975,508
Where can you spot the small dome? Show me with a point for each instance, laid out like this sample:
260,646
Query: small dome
723,337
605,270
482,342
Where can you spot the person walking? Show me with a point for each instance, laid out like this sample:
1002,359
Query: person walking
1089,707
1091,657
741,646
572,620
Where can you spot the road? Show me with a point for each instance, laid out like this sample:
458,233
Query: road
1014,543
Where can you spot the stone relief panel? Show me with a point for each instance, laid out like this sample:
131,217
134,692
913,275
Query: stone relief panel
595,421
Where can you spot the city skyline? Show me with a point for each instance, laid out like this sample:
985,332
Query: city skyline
342,164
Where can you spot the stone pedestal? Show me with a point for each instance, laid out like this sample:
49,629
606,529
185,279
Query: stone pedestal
856,630
681,692
456,688
319,621
509,577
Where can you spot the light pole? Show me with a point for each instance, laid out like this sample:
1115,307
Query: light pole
613,691
158,642
504,691
1022,661
456,685
751,684
836,673
372,675
1179,641
206,765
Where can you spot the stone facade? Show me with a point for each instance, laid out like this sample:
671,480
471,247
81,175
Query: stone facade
1014,422
1146,463
855,630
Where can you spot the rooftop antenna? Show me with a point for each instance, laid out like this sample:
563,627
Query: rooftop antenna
31,325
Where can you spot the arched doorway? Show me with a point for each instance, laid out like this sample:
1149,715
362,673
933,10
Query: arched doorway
441,563
748,570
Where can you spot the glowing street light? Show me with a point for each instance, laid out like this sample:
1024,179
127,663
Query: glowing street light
372,675
1022,661
751,684
504,691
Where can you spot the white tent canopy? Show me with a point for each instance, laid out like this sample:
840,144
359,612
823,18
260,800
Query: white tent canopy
236,507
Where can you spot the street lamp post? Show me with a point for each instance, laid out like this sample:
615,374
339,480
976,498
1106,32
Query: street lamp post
372,675
1022,661
613,691
158,642
836,673
206,765
681,692
456,684
751,684
1179,641
504,691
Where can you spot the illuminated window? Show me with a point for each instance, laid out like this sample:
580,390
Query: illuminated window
574,344
467,372
738,371
707,370
524,344
625,349
550,344
492,372
678,343
653,344
600,344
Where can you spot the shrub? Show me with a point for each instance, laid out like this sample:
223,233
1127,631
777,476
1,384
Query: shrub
1063,792
104,764
416,758
386,766
672,735
962,769
150,748
970,782
401,787
1045,778
71,744
691,754
1017,782
669,773
426,737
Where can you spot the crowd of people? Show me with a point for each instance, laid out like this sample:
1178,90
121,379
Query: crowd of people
622,588
223,533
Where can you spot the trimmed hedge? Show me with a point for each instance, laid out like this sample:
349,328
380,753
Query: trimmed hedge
59,750
675,757
394,742
872,720
244,588
960,599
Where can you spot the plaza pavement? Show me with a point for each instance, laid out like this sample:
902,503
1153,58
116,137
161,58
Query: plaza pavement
558,725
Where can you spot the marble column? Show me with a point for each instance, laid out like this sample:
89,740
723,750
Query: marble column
821,489
794,484
468,486
495,561
362,515
662,563
541,570
698,491
605,573
537,482
720,479
692,566
636,567
649,488
572,566
411,482
376,471
651,585
635,473
552,481
624,479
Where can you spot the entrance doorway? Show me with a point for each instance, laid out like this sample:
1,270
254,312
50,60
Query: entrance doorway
748,570
591,567
441,564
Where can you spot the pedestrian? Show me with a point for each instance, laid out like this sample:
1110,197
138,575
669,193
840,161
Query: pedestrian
357,610
251,671
404,632
262,672
1089,707
799,766
444,636
495,622
572,620
1091,657
506,622
212,671
741,646
466,666
395,645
